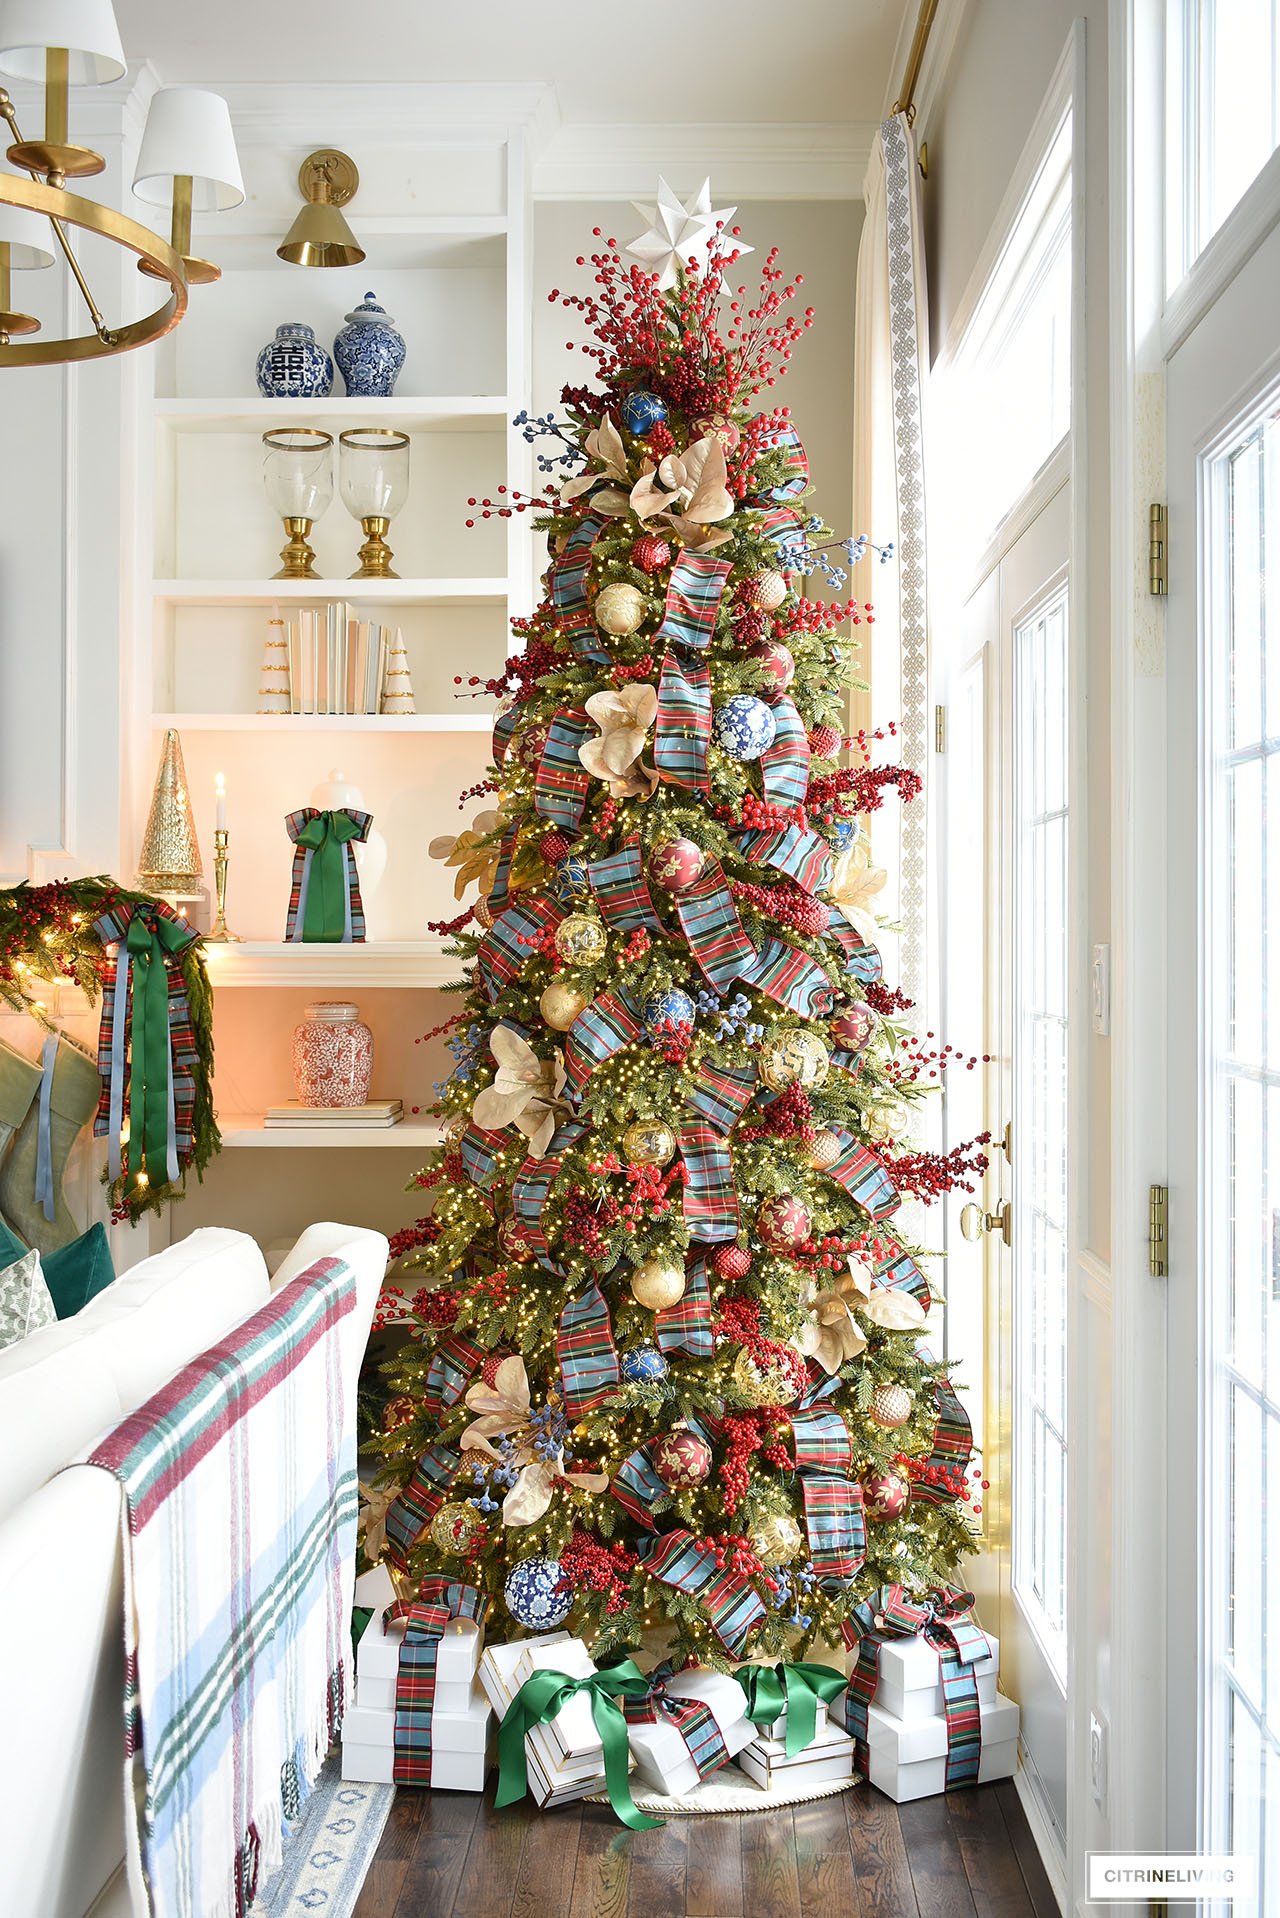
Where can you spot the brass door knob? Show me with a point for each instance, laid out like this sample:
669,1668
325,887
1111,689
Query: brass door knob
974,1221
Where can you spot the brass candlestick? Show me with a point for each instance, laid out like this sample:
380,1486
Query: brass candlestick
220,933
375,554
298,555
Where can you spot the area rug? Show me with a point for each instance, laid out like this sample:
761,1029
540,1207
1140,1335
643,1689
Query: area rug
328,1849
731,1790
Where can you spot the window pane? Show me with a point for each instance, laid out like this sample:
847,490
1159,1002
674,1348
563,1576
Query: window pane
1223,117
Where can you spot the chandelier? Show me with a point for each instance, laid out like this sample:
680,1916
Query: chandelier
187,161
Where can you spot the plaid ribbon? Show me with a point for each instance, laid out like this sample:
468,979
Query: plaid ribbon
567,584
722,1094
780,525
802,855
713,931
606,1026
832,1500
694,591
506,950
426,1619
862,961
731,1603
952,1445
295,822
561,782
941,1620
695,1722
621,892
903,1274
452,1365
500,891
784,766
863,1176
480,1152
532,1184
686,1325
792,978
635,1485
786,440
115,1033
504,728
682,730
710,1202
585,1353
418,1502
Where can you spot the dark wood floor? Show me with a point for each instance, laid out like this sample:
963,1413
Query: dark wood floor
450,1855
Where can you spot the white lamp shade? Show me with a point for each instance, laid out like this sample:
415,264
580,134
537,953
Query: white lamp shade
26,235
86,28
189,131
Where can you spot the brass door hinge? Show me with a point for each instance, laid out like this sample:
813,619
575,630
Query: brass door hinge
1158,552
939,729
1158,1232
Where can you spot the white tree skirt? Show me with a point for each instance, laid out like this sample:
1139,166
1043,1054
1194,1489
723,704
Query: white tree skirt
731,1790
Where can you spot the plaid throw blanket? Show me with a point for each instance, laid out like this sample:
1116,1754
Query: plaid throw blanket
239,1516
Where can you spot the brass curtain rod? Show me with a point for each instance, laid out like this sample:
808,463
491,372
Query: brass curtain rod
906,100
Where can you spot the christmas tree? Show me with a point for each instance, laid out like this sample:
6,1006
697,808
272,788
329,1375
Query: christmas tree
668,1364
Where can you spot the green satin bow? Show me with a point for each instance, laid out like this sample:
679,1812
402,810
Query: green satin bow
795,1689
150,938
540,1698
324,918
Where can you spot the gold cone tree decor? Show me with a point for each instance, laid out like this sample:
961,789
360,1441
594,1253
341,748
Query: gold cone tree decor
169,863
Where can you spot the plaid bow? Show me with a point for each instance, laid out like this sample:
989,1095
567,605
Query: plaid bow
695,1722
426,1619
942,1620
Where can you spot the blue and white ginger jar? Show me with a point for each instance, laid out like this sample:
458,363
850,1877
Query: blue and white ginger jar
294,366
369,351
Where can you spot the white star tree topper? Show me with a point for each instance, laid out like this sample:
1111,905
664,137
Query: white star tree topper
676,231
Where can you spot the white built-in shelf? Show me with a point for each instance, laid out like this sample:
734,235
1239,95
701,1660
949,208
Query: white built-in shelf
393,963
464,721
244,415
390,592
250,1129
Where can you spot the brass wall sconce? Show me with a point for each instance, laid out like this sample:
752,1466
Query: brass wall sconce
320,236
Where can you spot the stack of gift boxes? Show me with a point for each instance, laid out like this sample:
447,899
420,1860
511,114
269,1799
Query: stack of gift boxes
911,1735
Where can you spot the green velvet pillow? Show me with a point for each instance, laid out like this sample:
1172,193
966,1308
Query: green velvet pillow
11,1246
77,1272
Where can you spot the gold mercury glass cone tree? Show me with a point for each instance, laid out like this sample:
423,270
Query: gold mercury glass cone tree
170,858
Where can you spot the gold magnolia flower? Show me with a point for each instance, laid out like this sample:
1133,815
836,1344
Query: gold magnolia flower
624,719
505,1412
476,862
831,1334
690,491
897,1311
604,446
374,1503
854,883
525,1093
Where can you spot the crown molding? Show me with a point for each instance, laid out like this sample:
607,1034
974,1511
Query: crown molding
746,162
426,114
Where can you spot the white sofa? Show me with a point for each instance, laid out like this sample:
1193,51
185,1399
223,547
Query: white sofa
61,1648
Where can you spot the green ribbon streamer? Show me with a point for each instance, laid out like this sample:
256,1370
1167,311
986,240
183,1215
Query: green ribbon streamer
771,1689
150,938
540,1698
324,918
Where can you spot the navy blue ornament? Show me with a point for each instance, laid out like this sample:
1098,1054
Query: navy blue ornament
642,411
843,831
537,1594
669,1006
572,876
743,727
643,1366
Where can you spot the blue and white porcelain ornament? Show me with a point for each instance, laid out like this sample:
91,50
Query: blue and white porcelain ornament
537,1594
669,1007
743,727
843,831
369,351
294,366
571,876
642,411
644,1365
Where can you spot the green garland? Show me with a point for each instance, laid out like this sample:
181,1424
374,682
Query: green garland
47,937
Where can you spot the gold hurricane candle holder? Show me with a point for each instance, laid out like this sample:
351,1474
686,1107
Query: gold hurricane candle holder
373,466
297,471
220,933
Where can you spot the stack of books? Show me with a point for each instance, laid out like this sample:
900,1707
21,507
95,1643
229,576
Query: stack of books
378,1112
340,664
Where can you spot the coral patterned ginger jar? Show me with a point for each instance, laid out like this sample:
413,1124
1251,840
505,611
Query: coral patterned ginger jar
332,1055
294,366
369,351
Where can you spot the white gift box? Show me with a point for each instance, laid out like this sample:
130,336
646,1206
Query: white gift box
375,1589
378,1661
554,1779
778,1729
907,1758
573,1728
460,1745
661,1755
830,1756
910,1682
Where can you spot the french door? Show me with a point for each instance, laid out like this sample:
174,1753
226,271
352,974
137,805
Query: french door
1005,823
1223,808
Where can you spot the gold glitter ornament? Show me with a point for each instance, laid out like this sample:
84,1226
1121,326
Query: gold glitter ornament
793,1057
824,1149
776,1541
456,1527
483,913
773,1384
561,1003
885,1122
455,1128
649,1142
656,1286
891,1406
581,940
619,608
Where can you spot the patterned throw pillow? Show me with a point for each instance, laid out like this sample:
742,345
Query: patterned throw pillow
25,1301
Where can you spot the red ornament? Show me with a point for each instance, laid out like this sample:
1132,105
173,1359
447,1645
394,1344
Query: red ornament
731,1261
489,1369
677,865
651,552
513,1242
783,1223
718,426
825,742
810,916
532,745
884,1494
778,664
554,847
852,1028
680,1458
